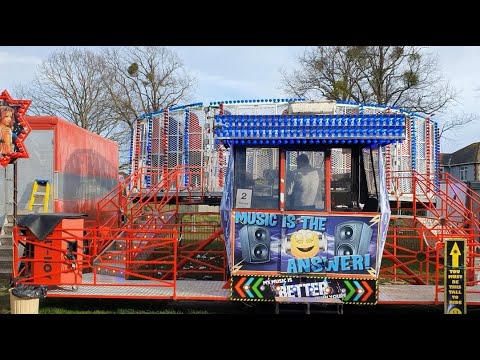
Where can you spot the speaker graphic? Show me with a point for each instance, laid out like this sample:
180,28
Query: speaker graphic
255,242
352,238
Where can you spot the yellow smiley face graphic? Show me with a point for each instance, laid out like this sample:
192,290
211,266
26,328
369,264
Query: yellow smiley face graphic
304,244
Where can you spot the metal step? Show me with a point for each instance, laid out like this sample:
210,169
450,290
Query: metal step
6,250
6,274
6,239
6,267
6,261
10,219
8,229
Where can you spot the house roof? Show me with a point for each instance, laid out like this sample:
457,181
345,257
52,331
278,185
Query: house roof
445,159
467,155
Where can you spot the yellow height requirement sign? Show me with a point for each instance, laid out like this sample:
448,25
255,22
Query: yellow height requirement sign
455,277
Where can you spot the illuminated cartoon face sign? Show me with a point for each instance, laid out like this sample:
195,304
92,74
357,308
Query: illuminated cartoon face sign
13,128
304,244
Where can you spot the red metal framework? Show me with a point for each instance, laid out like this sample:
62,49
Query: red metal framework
150,237
201,252
437,212
158,206
81,266
135,242
133,202
458,191
406,255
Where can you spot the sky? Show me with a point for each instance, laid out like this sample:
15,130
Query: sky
252,72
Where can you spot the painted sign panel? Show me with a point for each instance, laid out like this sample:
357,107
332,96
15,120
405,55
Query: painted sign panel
266,288
455,277
304,244
13,128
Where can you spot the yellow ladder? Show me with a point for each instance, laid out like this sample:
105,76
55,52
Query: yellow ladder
40,189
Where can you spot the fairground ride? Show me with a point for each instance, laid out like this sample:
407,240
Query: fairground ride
205,213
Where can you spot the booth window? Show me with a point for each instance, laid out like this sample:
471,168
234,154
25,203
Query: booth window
341,179
354,179
305,180
257,178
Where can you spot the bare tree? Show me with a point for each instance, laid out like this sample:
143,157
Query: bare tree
106,92
454,123
144,79
325,71
402,76
69,84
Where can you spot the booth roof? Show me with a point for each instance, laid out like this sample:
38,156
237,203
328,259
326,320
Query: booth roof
378,129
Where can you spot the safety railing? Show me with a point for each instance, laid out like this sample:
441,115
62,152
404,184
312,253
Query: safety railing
69,257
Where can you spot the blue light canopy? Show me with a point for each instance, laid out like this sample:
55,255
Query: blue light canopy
308,129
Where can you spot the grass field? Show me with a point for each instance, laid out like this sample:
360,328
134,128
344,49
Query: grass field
193,308
74,306
123,306
4,302
117,306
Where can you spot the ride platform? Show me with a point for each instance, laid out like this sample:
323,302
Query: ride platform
107,286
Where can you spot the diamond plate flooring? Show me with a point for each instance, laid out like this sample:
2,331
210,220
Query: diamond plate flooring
115,287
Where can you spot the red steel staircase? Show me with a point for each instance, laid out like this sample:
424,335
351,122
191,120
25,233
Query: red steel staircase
134,208
441,209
